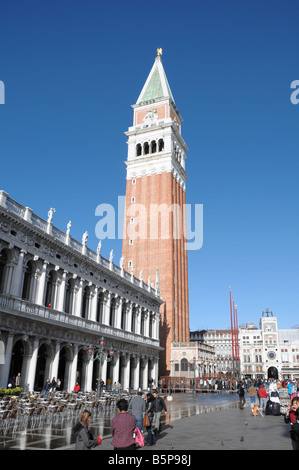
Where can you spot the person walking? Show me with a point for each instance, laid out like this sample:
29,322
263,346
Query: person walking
137,408
58,384
47,388
150,413
53,385
252,396
262,394
159,406
242,396
122,428
85,440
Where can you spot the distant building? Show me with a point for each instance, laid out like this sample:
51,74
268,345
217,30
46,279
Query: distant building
268,352
265,352
221,342
187,356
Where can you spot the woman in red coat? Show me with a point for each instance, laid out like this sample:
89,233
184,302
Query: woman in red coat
262,394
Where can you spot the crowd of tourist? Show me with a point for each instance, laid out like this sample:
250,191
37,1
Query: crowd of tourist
274,398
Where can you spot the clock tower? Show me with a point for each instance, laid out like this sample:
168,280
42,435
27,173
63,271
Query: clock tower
271,348
154,237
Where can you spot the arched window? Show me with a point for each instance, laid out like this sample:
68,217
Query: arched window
184,365
153,146
133,322
100,307
138,150
49,291
67,303
84,308
145,148
27,281
142,324
112,312
123,317
161,145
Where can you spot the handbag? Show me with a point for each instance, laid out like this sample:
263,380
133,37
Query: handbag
146,422
139,439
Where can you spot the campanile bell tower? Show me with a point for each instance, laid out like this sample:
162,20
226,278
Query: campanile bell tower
154,243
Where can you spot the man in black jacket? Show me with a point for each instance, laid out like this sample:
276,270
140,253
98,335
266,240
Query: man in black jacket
241,396
159,406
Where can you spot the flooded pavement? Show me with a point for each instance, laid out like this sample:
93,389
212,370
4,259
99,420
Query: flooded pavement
54,432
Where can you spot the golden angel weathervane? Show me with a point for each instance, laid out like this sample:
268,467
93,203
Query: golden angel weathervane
159,51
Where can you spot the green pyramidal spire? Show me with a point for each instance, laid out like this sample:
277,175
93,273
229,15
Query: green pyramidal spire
156,85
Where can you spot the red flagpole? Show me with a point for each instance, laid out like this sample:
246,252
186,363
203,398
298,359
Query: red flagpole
231,322
237,336
234,312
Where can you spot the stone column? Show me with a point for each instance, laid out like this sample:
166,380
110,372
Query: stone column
79,297
125,380
18,275
118,312
155,326
106,307
144,384
55,362
4,368
146,322
104,369
33,286
61,292
155,370
32,366
136,373
129,317
138,320
93,304
115,373
73,372
41,288
73,293
55,289
88,375
8,275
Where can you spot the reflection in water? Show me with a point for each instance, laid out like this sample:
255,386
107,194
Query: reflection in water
56,432
183,406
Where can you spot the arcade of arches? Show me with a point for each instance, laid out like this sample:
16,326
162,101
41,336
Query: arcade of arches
51,315
72,364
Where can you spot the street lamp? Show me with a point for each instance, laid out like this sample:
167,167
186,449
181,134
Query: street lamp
195,367
100,356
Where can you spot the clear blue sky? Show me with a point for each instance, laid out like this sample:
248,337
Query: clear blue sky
73,69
